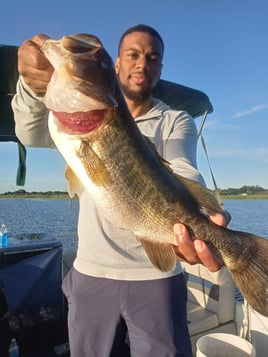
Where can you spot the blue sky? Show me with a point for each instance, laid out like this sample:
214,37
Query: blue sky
219,47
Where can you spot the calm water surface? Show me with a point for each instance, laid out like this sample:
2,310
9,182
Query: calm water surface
249,215
58,218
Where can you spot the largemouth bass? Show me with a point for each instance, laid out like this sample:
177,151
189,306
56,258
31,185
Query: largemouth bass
133,187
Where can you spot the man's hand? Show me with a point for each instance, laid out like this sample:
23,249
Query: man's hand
196,251
33,66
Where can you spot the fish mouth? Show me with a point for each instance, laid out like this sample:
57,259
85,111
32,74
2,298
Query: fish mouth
80,122
84,77
77,44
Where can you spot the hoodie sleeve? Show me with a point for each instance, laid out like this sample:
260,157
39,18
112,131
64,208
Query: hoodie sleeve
31,117
174,134
180,148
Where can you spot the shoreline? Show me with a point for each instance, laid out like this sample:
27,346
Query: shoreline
64,196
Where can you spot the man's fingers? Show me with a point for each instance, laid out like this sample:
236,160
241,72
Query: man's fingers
40,39
212,262
195,251
221,219
33,66
185,245
30,57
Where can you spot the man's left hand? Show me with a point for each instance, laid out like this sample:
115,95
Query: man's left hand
195,251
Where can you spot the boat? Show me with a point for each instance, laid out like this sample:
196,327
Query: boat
212,304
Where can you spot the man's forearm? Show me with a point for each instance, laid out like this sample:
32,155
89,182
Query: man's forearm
30,116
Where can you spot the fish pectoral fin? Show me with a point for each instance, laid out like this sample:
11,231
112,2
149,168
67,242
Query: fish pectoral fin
162,255
93,165
74,185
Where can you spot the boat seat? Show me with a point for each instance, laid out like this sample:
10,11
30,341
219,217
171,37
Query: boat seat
211,301
200,319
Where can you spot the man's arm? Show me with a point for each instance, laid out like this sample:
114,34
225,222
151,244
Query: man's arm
30,113
181,152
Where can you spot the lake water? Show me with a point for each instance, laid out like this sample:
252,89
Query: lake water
58,218
249,215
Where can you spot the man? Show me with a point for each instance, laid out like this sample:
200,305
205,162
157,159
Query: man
113,287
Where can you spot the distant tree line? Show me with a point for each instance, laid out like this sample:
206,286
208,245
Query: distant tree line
244,190
22,193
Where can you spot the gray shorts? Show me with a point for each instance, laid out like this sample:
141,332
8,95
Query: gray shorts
110,318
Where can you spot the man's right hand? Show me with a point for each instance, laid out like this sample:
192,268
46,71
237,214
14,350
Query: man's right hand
33,66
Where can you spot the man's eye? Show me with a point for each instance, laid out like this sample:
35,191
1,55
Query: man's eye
155,59
133,55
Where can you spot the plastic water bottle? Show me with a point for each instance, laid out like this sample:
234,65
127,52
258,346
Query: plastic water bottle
13,348
4,236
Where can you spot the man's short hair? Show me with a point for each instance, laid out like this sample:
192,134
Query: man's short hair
141,28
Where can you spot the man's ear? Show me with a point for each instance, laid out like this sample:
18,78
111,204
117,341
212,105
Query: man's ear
117,65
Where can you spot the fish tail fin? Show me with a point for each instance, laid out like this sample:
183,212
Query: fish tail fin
252,279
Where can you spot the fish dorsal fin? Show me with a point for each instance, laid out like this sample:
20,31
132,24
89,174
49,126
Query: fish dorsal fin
74,185
93,165
207,202
160,158
162,255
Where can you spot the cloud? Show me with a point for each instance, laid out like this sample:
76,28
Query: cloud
219,125
249,111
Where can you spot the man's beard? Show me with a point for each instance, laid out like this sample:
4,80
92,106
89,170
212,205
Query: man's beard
138,96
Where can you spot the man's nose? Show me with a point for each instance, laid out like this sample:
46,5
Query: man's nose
142,63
